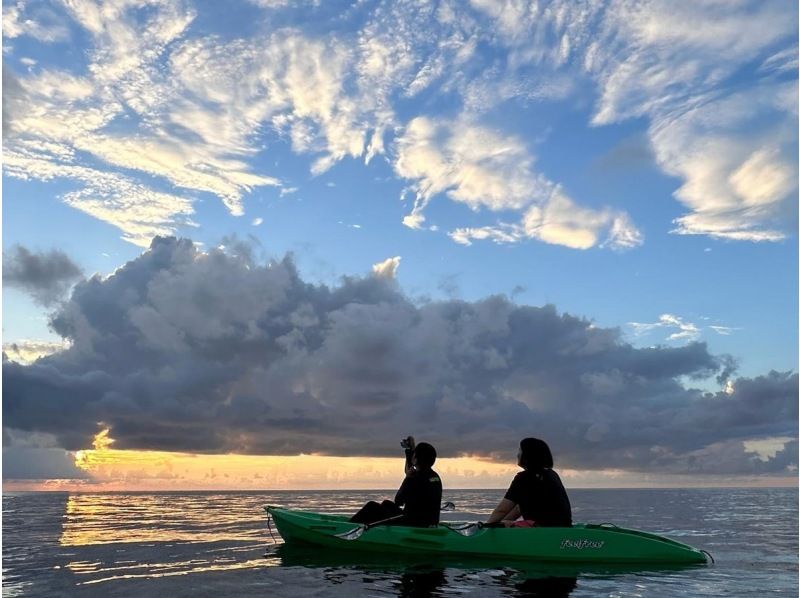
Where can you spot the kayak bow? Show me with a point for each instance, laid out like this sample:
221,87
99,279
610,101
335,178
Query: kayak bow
581,543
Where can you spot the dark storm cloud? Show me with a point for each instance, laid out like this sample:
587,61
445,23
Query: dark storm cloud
217,352
45,276
39,463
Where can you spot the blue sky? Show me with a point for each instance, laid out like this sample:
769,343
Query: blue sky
632,163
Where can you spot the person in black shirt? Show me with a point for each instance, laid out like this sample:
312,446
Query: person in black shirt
418,501
536,493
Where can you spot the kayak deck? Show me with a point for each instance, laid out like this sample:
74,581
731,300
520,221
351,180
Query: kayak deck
581,543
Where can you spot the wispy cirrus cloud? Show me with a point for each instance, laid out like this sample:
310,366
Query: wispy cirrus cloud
481,168
37,22
109,123
185,111
678,327
677,66
138,210
732,147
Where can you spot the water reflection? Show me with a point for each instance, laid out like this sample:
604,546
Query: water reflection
429,575
432,575
92,519
421,581
551,587
213,544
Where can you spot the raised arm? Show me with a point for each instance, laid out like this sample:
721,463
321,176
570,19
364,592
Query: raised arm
409,466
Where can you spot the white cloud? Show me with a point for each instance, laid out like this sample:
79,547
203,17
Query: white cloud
193,111
683,330
782,61
724,330
766,448
498,234
387,268
674,64
40,24
138,210
27,351
471,164
671,63
657,54
481,168
560,222
257,221
205,152
737,184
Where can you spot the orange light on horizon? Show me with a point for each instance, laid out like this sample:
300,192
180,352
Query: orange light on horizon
117,470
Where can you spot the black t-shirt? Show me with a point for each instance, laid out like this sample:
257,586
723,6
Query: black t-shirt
420,495
541,497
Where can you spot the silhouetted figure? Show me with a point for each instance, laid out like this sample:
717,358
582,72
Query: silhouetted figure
418,501
536,493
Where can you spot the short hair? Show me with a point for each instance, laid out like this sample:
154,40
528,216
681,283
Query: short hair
425,454
535,454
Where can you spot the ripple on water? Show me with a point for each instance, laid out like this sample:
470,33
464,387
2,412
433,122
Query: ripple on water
218,544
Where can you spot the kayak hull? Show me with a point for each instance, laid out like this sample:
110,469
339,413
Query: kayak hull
582,543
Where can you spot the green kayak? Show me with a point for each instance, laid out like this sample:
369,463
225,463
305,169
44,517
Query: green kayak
581,543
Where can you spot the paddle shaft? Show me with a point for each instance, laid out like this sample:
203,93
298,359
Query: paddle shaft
370,525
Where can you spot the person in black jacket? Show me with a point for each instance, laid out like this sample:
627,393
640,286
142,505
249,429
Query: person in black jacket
536,493
418,501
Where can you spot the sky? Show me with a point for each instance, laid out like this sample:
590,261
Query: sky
254,244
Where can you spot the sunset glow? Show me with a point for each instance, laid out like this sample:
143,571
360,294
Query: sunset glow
252,246
117,470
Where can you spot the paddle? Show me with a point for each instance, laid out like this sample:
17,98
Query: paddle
356,532
470,529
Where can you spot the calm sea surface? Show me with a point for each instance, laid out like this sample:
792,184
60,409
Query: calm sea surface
218,544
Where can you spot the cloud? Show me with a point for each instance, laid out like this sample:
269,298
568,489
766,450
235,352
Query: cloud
177,110
214,352
27,351
735,184
39,23
39,464
733,148
473,165
680,67
683,330
257,221
387,268
79,127
484,169
46,276
560,222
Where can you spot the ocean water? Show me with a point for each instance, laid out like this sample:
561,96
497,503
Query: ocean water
219,544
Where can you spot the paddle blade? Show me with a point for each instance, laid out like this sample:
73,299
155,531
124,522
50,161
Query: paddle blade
353,534
469,529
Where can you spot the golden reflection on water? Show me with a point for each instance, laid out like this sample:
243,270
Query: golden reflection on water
138,536
92,519
172,570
